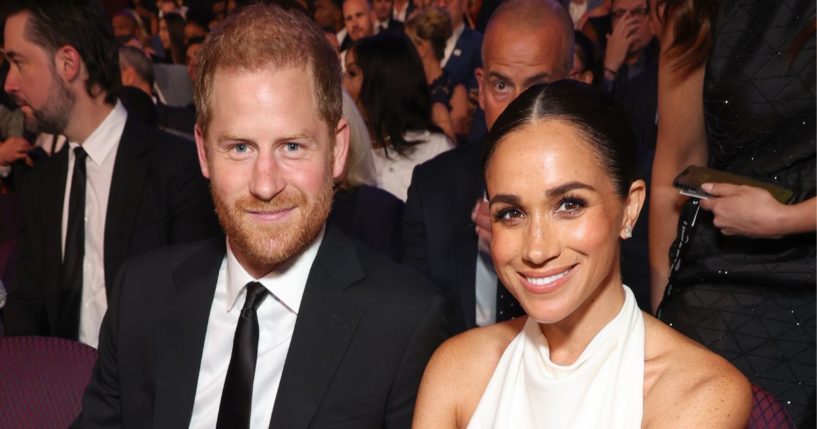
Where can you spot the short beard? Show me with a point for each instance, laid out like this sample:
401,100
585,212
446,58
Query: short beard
268,246
53,118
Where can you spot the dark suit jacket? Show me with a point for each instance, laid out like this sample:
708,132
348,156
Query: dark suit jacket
438,235
395,26
364,333
465,58
158,197
371,215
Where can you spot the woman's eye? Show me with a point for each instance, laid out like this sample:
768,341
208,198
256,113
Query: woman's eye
571,206
507,214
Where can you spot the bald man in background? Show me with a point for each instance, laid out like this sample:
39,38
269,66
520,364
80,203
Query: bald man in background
527,42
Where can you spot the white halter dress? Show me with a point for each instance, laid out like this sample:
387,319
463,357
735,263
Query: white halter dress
604,388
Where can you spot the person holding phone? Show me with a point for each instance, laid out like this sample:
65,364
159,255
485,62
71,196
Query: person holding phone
737,94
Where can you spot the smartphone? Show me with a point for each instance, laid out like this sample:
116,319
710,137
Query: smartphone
690,180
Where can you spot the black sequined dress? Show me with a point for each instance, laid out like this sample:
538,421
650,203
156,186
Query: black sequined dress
753,300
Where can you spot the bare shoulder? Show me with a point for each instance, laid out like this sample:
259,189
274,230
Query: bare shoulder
686,385
458,373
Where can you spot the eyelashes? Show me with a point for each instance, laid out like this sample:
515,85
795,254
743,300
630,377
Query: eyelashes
569,206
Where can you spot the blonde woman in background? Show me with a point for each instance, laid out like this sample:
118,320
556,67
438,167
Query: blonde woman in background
428,30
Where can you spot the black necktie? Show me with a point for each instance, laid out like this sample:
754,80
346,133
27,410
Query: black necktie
71,288
236,398
507,307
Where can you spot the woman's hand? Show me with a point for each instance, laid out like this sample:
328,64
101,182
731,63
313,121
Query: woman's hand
753,212
13,150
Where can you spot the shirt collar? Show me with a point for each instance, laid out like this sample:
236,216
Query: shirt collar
455,34
286,284
99,145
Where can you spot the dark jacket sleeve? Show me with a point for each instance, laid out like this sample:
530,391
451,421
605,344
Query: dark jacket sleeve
415,252
101,401
430,331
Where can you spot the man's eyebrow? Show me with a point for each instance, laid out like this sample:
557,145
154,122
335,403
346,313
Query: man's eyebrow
498,75
303,136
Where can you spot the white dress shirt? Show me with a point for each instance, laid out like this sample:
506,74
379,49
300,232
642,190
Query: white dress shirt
380,26
400,14
101,147
485,280
394,171
276,322
451,43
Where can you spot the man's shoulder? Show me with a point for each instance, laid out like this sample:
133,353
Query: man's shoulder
452,163
164,152
471,38
381,270
164,260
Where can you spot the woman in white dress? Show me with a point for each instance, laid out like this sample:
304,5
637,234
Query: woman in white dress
559,179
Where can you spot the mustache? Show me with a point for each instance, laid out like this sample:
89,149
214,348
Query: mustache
279,202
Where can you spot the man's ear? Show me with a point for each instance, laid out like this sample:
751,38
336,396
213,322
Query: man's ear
341,148
201,150
127,74
479,73
68,63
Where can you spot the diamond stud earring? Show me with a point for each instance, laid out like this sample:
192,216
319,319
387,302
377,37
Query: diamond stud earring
628,232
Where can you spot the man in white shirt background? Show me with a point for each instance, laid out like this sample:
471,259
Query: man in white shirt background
117,189
383,17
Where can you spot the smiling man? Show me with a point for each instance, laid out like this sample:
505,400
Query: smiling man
286,323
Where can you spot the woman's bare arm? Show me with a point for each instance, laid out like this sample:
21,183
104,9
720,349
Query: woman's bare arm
681,142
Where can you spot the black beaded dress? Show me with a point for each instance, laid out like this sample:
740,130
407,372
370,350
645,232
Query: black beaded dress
753,300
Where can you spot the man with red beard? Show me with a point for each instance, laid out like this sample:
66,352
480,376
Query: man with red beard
287,322
118,188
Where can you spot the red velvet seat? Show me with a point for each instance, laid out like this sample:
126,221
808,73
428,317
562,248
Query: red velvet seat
767,413
42,380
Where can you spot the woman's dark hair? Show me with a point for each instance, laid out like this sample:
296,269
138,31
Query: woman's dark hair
595,115
394,93
583,47
690,22
175,29
82,25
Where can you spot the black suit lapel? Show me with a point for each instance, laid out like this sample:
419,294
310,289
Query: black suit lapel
325,325
180,330
129,173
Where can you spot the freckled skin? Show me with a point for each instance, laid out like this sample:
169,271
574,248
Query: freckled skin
548,235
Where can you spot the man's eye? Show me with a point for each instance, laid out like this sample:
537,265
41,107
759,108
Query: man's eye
292,147
241,148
